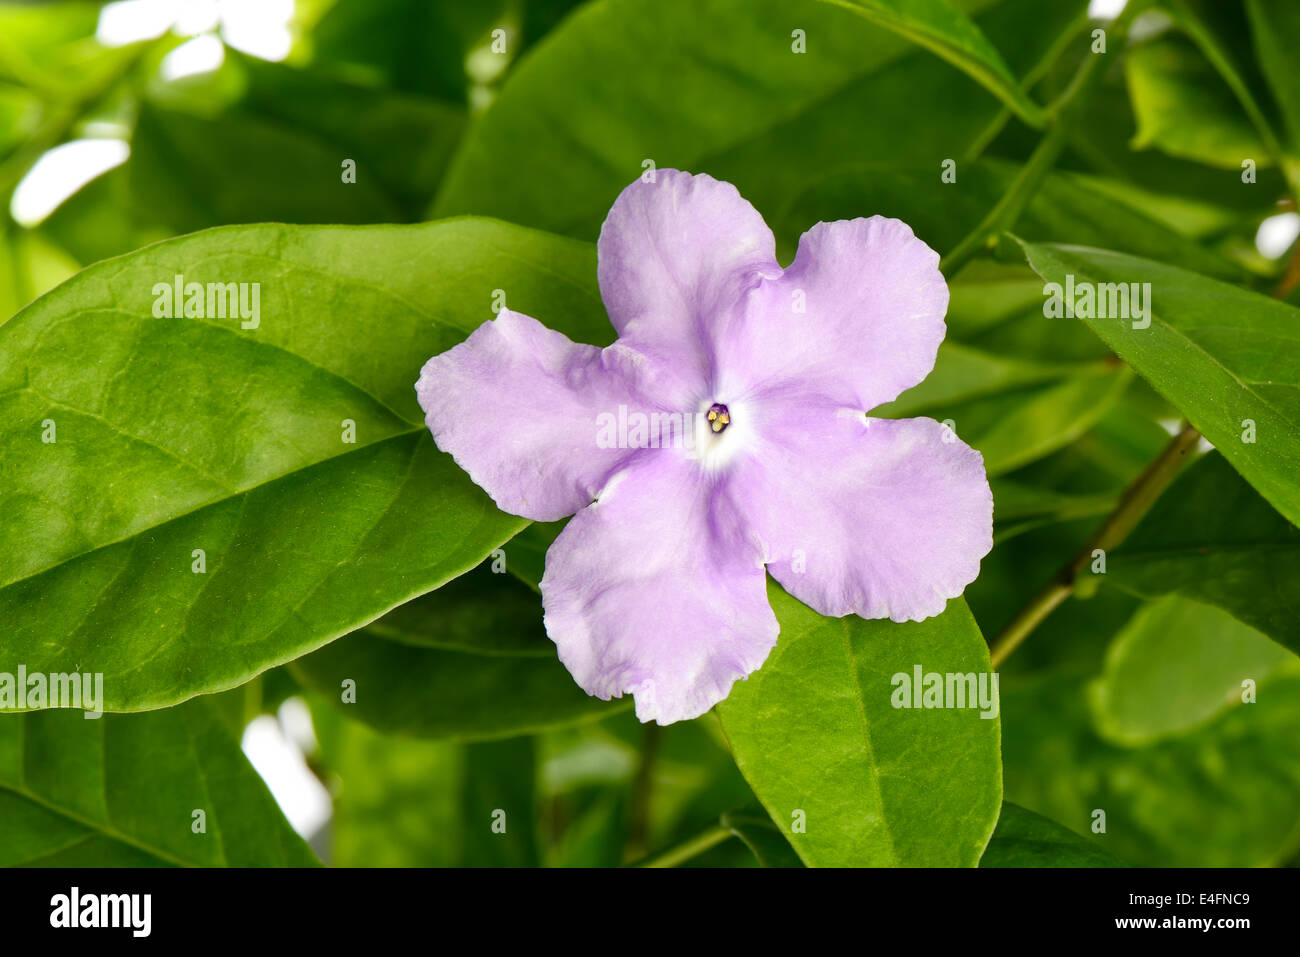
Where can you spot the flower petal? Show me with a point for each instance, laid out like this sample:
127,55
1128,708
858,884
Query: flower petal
658,590
675,256
858,315
882,518
517,405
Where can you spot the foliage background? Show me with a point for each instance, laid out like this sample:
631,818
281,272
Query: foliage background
1127,699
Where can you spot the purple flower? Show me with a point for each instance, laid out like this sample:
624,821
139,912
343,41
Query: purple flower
725,431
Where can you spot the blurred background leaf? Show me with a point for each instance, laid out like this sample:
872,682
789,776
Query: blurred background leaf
122,791
1026,839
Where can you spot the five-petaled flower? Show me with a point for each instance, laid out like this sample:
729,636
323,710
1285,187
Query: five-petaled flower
657,585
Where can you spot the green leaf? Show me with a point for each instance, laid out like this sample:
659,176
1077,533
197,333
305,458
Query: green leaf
1173,667
617,84
1227,795
258,141
443,668
438,47
961,373
762,837
1275,29
1219,373
851,779
1221,32
1185,109
50,48
29,266
483,612
192,172
940,26
998,309
1067,208
1212,538
402,142
174,435
1026,839
1100,138
1022,508
122,791
526,552
1020,426
1105,460
402,803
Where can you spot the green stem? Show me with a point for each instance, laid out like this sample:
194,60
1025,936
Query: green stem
1008,209
1136,501
688,849
1036,73
642,789
1219,58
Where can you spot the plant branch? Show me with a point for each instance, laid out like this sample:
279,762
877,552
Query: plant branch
1008,209
691,848
1035,73
1136,501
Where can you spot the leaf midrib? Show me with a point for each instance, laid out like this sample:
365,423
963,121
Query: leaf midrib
405,433
96,827
1184,337
851,661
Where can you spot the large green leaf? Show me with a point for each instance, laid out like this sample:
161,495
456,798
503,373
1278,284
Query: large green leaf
1175,665
940,26
181,434
1026,839
1211,537
470,664
1221,354
817,736
622,82
122,791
